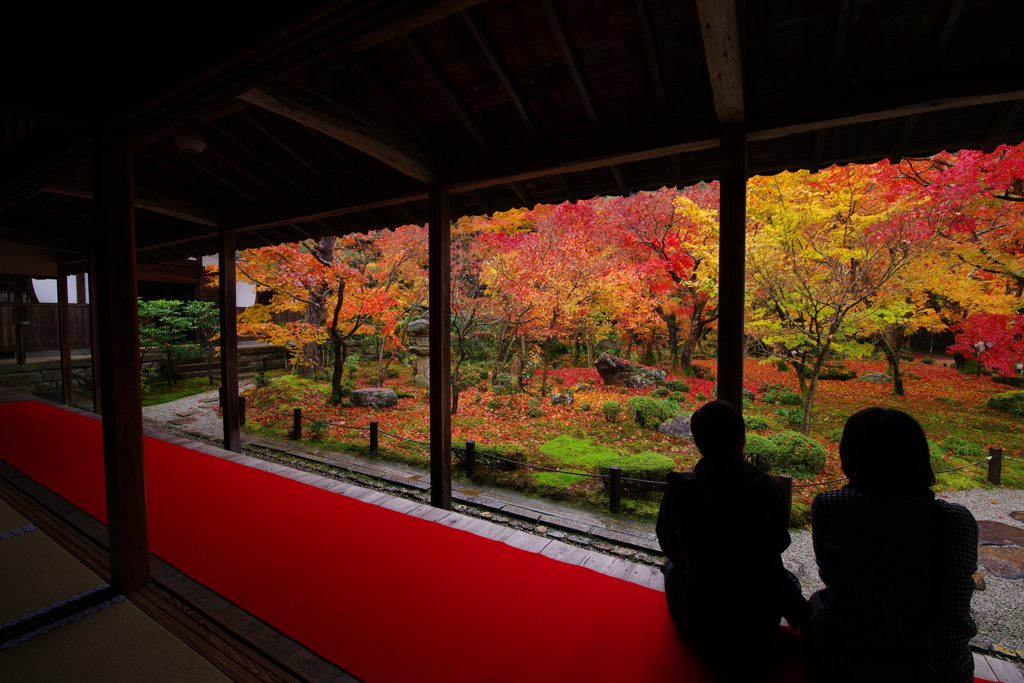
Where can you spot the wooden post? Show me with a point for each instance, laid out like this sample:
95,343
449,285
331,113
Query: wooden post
118,345
20,315
732,219
241,410
229,345
615,489
94,340
297,424
440,265
79,288
786,482
470,458
373,438
995,465
64,327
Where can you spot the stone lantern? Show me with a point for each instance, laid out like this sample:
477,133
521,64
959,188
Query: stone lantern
419,331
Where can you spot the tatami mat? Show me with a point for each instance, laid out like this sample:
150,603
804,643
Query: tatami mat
118,644
9,519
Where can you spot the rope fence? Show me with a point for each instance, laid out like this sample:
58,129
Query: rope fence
469,458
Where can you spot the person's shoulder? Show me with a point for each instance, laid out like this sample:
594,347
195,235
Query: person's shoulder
955,512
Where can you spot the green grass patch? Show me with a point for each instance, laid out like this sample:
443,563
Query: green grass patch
161,393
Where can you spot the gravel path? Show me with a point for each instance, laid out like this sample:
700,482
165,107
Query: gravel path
999,609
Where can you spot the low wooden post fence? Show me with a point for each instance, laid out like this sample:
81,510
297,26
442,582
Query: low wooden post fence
297,424
615,488
470,458
241,410
373,438
995,465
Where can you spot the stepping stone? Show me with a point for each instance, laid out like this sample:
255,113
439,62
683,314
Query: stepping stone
1006,563
1018,514
997,533
188,413
182,421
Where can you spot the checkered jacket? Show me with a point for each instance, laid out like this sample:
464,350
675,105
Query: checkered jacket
895,603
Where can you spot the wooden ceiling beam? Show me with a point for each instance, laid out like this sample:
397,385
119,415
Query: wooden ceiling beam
620,180
428,66
487,47
817,150
191,158
1011,110
949,22
408,213
569,56
189,180
567,188
288,148
407,22
150,200
651,54
523,195
899,147
839,40
243,171
335,152
303,104
720,29
479,200
256,155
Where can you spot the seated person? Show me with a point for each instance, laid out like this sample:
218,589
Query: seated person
723,528
895,561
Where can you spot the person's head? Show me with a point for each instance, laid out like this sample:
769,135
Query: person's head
718,430
885,449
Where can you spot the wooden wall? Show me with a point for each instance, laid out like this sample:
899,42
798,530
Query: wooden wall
43,330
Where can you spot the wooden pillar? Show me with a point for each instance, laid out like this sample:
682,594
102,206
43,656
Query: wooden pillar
64,326
732,218
79,288
20,315
94,340
118,332
440,267
229,345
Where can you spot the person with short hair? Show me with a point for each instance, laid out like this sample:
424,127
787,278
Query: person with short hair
896,562
723,528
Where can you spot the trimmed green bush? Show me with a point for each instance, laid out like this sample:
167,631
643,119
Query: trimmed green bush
700,397
836,371
533,408
648,412
761,451
584,406
1007,400
799,455
677,385
800,515
677,396
660,392
836,435
610,410
794,417
753,422
928,360
647,465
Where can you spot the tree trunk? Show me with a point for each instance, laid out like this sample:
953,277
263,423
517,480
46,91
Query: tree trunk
892,344
672,326
316,314
812,386
171,381
515,370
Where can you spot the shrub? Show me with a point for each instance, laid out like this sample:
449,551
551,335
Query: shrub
799,515
753,422
514,452
584,406
660,392
782,366
1018,411
761,451
836,435
836,371
495,404
962,448
677,396
791,399
928,360
316,430
911,375
533,408
700,397
1007,400
610,410
970,367
648,413
798,455
794,417
262,380
780,393
648,465
484,374
701,372
677,385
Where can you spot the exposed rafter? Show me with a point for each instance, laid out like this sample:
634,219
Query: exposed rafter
953,10
288,148
722,48
523,195
1011,110
817,150
479,200
651,53
191,158
41,238
428,66
305,105
567,188
620,180
899,148
487,47
147,199
259,157
839,40
569,55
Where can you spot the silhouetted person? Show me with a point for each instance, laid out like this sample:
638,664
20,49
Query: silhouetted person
896,562
723,528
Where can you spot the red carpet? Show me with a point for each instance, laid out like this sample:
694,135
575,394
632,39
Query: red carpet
386,596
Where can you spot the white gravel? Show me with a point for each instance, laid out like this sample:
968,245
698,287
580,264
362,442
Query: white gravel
999,609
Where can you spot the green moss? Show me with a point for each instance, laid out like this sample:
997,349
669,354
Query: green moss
160,393
677,385
648,413
1006,400
648,465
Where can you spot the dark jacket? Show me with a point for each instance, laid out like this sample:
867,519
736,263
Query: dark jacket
724,526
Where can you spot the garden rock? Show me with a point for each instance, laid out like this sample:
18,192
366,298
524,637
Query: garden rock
678,427
374,398
561,399
1018,515
996,533
1005,562
878,377
618,372
418,326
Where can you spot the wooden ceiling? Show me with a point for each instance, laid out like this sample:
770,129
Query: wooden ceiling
341,118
